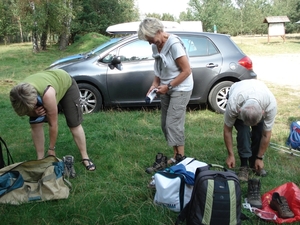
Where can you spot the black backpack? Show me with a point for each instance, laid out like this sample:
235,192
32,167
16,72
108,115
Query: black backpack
9,157
215,200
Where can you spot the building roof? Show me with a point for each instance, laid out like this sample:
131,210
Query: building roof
276,19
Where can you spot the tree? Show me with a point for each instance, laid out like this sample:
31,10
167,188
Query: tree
8,25
96,15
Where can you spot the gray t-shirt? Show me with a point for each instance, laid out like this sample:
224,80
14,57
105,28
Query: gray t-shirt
168,70
250,89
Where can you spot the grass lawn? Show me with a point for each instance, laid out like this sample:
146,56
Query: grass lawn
122,143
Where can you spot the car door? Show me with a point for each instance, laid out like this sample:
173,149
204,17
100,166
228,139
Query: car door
206,63
130,85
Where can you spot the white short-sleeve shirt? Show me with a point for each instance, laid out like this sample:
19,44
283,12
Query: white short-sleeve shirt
250,89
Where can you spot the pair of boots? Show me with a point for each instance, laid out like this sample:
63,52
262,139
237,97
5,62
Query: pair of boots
278,203
161,162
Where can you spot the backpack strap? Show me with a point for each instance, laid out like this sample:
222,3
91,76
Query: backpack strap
9,157
182,215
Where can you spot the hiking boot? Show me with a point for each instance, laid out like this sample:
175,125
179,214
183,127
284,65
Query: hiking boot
253,194
159,164
280,204
243,174
69,170
261,173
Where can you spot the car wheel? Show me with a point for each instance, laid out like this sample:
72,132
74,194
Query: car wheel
90,98
217,96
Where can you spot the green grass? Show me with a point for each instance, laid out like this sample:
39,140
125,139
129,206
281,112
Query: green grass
122,143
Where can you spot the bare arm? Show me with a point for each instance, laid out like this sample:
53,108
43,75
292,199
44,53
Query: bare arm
264,143
50,105
227,134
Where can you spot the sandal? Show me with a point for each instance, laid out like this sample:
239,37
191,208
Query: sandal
172,161
178,159
90,165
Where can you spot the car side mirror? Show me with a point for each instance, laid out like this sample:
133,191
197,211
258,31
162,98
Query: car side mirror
115,63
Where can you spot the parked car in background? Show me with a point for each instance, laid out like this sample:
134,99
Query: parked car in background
120,74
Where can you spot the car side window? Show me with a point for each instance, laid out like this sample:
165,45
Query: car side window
199,46
136,51
109,57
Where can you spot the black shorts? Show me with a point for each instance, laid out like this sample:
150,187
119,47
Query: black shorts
70,105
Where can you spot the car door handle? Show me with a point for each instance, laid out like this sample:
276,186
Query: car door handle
211,65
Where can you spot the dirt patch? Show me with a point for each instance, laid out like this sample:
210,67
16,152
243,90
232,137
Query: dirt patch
280,69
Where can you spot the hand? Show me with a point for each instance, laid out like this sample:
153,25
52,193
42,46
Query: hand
259,165
162,89
40,111
230,161
150,89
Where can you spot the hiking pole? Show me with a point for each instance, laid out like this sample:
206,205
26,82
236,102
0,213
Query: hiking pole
284,149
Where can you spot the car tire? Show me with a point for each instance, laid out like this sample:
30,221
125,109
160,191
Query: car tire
217,96
90,98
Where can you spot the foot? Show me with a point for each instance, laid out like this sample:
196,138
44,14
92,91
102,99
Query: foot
178,158
243,174
89,165
171,161
261,172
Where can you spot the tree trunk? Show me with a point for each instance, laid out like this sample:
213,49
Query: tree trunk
35,46
65,35
20,28
63,41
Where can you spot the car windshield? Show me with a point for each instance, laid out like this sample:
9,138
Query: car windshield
102,48
108,43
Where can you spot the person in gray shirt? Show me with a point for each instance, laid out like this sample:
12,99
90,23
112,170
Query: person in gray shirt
173,81
251,108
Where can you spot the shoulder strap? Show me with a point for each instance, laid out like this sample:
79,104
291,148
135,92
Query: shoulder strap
9,157
182,215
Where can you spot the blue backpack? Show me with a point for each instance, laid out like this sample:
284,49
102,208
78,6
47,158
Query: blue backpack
293,140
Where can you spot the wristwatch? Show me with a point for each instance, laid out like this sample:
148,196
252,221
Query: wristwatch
260,158
170,86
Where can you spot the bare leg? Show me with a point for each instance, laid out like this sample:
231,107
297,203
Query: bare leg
79,138
177,150
180,150
37,134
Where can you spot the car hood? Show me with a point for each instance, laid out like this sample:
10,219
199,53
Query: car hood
71,58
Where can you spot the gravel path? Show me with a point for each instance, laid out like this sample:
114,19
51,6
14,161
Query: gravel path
281,69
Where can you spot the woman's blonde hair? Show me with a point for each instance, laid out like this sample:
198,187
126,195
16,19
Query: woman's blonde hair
149,27
23,98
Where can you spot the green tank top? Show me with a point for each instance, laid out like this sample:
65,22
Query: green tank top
59,79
